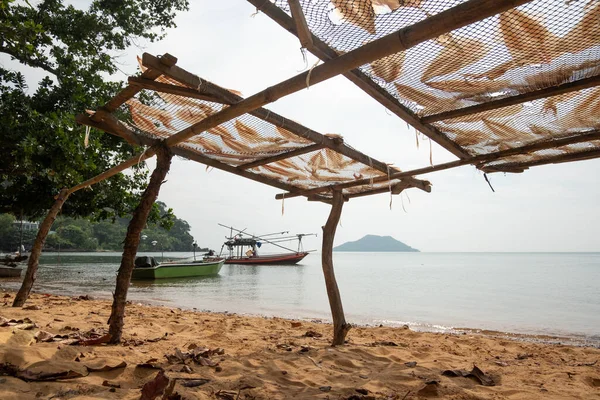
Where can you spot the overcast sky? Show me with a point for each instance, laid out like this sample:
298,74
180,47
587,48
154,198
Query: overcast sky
547,208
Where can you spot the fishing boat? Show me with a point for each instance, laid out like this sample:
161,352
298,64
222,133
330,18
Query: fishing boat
242,248
10,272
10,265
148,268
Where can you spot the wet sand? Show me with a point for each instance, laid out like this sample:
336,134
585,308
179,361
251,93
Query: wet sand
226,356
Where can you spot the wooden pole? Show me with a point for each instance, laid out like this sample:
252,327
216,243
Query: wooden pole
302,30
132,240
36,251
519,99
340,327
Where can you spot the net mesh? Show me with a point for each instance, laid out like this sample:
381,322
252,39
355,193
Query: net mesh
541,44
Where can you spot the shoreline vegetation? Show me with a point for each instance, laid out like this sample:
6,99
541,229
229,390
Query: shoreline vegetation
204,355
166,232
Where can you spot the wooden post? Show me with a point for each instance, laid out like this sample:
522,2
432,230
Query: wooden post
340,327
132,240
36,251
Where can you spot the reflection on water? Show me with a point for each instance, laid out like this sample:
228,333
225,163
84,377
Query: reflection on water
553,293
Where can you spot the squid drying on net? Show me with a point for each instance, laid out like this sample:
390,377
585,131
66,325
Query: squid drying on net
337,161
526,38
150,113
503,112
289,136
291,176
469,87
190,115
357,13
389,68
585,34
504,131
429,101
457,53
208,144
551,103
247,133
465,137
221,131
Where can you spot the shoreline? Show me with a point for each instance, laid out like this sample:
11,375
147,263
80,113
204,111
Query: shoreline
573,339
273,358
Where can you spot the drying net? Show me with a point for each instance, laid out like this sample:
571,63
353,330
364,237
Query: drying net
156,114
541,44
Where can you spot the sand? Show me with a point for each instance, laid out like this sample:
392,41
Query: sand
238,357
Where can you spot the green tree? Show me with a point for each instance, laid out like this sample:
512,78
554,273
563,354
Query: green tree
42,148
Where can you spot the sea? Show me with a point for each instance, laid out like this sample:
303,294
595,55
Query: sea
554,294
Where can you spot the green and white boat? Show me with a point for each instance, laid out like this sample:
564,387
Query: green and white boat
147,268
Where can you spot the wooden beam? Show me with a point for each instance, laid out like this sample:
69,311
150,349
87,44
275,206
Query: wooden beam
282,156
300,22
509,101
396,189
101,116
454,18
520,166
171,89
548,144
356,76
340,327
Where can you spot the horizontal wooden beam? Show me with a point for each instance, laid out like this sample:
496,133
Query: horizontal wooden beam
395,189
477,160
300,22
454,18
519,99
282,156
569,157
171,89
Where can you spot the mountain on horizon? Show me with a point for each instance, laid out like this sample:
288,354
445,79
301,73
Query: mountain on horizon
374,243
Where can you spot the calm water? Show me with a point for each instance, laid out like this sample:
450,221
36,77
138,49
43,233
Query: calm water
540,293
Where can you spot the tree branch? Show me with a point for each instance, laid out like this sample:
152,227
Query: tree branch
29,61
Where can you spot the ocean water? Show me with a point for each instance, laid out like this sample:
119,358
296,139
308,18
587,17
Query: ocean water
532,293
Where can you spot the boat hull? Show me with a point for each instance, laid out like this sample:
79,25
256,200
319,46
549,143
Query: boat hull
178,270
275,259
10,272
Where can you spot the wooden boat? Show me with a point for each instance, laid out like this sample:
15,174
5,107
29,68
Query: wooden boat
10,272
147,268
10,265
244,250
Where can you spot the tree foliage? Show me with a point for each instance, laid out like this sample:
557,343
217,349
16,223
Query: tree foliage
167,233
42,148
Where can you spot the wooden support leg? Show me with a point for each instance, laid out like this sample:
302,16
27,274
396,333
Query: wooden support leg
36,251
132,240
340,327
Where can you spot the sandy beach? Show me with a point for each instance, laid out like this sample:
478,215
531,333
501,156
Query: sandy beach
200,355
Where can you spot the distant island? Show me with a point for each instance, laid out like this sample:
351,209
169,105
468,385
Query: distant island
375,243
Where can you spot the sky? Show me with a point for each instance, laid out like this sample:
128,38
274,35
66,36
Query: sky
546,208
